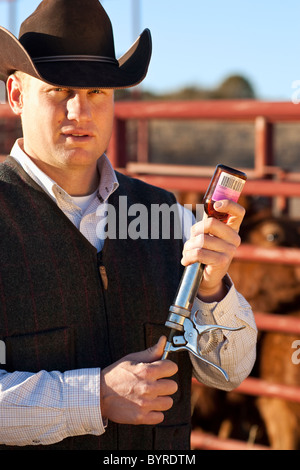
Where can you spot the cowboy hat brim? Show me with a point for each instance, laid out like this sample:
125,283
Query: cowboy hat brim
77,71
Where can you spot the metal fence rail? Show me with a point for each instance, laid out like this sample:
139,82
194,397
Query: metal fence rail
263,115
205,441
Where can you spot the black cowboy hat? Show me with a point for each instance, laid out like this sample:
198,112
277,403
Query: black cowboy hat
70,43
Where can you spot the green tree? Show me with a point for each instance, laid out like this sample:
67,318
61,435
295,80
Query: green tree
234,87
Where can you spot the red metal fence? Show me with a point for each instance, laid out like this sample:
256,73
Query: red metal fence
263,115
265,179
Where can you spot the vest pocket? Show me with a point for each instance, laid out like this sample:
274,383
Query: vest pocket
44,350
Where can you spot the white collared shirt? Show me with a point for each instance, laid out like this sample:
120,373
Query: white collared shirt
82,211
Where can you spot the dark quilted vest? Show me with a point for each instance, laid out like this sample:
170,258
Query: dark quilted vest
57,314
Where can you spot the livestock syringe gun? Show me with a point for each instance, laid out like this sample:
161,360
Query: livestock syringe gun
186,333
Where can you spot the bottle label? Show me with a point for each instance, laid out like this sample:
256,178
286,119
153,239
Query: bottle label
228,187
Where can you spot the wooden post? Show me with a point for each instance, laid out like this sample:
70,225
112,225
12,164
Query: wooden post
117,149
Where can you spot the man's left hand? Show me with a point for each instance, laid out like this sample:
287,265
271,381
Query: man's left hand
214,243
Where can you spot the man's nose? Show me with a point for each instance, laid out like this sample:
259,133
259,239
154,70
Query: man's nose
78,107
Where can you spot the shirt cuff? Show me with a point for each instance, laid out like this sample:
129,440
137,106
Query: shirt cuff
234,351
83,413
233,310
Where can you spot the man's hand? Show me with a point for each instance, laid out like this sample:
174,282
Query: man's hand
135,389
214,244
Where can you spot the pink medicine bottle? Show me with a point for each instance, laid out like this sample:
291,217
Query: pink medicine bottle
226,183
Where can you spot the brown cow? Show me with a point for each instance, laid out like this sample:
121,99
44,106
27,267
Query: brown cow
282,418
274,288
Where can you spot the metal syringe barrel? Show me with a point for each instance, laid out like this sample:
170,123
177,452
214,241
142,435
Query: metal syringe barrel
183,302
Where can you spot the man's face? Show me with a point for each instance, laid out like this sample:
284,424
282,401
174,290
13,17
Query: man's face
65,128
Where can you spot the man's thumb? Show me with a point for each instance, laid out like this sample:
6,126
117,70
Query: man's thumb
154,353
157,350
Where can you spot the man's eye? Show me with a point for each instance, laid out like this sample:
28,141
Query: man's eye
59,90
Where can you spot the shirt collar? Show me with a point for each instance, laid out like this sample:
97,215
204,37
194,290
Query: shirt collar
108,180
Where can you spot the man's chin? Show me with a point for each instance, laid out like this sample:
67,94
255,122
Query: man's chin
79,156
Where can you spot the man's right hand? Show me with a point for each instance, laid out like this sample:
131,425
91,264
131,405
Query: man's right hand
136,390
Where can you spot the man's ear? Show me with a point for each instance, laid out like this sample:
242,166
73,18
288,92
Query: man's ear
15,94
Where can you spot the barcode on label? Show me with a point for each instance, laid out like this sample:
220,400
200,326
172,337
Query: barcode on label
232,182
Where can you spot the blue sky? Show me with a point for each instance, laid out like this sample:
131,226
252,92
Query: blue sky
201,42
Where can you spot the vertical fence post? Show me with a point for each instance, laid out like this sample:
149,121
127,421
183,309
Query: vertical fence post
264,155
143,141
117,149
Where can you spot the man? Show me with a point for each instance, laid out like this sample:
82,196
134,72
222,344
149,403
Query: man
76,305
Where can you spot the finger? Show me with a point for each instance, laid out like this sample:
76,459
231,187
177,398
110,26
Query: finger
207,257
235,211
152,354
216,228
207,242
165,387
153,417
160,346
152,410
161,404
161,369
